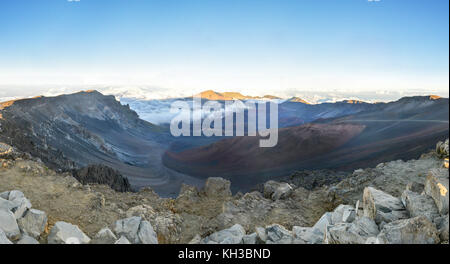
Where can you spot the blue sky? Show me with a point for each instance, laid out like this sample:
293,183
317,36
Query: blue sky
249,46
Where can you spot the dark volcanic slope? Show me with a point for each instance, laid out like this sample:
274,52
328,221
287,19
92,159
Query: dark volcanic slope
399,130
73,131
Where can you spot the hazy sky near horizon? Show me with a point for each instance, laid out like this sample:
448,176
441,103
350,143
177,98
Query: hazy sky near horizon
255,47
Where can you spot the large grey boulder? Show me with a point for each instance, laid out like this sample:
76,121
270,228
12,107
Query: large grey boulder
129,228
136,230
9,225
418,205
232,235
382,207
436,186
418,230
65,233
3,238
351,233
33,223
146,233
217,187
276,234
307,235
276,190
27,240
104,236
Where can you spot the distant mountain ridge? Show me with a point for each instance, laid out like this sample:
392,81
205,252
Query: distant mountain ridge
77,130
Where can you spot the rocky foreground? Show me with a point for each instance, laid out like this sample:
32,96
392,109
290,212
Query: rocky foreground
396,202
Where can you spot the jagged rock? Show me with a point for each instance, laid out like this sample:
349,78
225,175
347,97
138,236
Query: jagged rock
140,211
15,194
250,239
338,214
22,204
232,235
122,240
128,228
418,230
382,207
33,223
442,149
18,205
27,240
307,235
6,204
250,209
9,225
3,238
323,222
261,233
418,205
146,233
277,234
217,187
104,236
167,226
415,187
136,230
4,195
276,190
65,233
436,186
443,225
102,174
351,233
349,215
